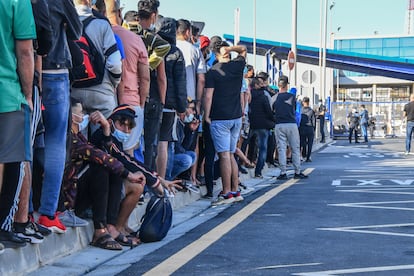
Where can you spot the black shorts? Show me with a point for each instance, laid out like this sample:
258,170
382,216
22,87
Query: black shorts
167,128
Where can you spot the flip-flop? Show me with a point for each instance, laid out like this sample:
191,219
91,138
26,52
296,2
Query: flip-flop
106,242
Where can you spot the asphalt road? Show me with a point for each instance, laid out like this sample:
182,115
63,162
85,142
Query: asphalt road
353,216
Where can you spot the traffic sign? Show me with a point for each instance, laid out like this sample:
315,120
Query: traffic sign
291,60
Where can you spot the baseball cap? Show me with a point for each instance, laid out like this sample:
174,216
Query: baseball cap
204,41
124,110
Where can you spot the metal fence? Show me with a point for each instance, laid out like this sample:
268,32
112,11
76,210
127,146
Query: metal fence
386,118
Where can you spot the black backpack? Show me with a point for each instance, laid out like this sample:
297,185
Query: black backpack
92,70
157,220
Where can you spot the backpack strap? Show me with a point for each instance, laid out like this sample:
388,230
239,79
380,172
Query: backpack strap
86,21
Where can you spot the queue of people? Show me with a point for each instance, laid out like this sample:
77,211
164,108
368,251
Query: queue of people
169,106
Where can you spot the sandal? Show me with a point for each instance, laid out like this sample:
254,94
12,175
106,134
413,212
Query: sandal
128,242
106,242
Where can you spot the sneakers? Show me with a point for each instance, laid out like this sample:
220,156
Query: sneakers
39,228
308,160
237,196
407,153
69,219
300,176
55,225
223,199
244,189
28,231
282,177
11,240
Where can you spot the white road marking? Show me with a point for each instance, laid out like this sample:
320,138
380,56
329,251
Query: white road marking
395,191
375,205
360,229
284,266
356,270
336,182
363,182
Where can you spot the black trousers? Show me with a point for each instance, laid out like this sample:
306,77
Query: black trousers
307,135
209,153
101,190
355,131
152,123
9,194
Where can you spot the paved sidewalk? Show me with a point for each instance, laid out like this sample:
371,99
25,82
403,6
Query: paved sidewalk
69,254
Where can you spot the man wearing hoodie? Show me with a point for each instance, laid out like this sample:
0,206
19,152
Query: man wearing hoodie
176,96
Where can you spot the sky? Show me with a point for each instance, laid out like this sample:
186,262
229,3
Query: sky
274,17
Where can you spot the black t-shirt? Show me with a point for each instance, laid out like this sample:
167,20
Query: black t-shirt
409,111
284,108
226,79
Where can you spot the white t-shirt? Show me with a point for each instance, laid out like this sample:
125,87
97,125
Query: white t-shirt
194,64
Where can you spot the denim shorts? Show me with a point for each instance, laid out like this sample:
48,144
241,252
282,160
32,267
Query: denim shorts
225,134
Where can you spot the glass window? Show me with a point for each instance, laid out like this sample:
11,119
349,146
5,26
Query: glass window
374,43
391,52
359,50
374,51
358,43
407,52
344,44
391,42
406,41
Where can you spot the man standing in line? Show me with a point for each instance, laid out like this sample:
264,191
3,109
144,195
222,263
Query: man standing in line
321,117
223,112
286,130
55,97
364,122
307,129
17,30
409,115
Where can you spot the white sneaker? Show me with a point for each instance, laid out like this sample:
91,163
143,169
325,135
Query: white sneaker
69,219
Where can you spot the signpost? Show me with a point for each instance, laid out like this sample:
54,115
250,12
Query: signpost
291,60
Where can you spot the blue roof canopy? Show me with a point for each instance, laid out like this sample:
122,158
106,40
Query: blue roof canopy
399,68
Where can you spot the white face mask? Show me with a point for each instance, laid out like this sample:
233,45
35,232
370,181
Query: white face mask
85,121
151,27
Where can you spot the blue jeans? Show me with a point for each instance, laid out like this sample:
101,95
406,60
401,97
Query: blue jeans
181,163
262,136
364,130
410,128
55,119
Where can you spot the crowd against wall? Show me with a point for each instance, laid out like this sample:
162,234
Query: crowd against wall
123,103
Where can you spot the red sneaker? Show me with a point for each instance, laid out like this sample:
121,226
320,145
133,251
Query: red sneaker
52,224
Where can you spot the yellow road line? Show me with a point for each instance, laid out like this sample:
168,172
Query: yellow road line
179,259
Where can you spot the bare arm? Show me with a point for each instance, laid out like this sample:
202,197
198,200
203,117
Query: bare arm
162,81
201,81
240,49
144,82
25,67
208,97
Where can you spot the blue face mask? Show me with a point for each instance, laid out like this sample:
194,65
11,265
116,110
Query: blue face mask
189,118
85,121
120,135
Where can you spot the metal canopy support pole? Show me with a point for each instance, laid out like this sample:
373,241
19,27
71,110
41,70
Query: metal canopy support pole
294,39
